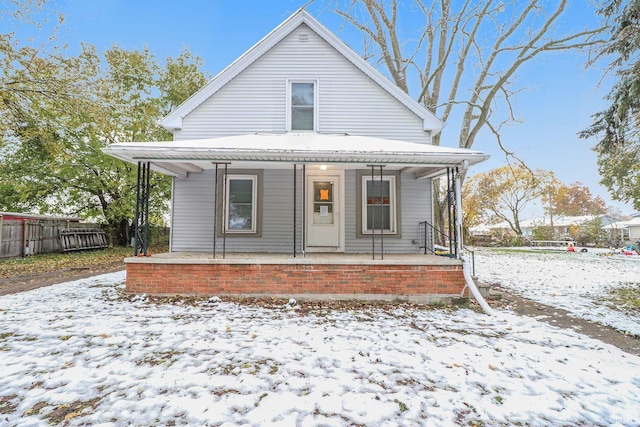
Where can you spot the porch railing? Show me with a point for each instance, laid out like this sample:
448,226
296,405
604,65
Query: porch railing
428,235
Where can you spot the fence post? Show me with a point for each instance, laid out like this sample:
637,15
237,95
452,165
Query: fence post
1,217
25,226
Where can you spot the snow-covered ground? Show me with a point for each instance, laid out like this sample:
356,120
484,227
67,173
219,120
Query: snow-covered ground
577,282
75,353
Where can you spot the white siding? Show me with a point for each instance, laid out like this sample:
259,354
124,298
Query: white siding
349,101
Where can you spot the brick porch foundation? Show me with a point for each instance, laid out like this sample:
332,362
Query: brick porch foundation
368,280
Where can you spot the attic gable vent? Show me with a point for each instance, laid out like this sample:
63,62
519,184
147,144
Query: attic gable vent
303,38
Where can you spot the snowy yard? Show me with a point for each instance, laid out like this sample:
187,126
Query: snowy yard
77,354
580,283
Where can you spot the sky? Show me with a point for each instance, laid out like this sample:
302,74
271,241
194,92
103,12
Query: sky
557,99
80,353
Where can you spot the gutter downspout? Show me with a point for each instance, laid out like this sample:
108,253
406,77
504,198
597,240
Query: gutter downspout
465,262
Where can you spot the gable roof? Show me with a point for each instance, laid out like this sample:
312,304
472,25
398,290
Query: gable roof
174,119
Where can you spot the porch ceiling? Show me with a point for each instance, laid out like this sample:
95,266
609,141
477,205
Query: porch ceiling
278,151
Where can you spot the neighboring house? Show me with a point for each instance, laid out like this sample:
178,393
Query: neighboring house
625,232
296,150
561,224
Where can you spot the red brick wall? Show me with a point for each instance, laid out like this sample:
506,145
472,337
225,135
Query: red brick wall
225,279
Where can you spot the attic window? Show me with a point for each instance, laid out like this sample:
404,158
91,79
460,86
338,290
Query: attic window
302,104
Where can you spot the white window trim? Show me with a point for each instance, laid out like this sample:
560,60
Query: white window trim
393,205
254,204
316,86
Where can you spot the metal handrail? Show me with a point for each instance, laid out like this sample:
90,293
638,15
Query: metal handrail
428,228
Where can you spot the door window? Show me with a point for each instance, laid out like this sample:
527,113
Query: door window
323,202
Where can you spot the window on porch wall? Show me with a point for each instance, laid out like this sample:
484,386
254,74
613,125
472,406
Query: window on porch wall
241,204
379,204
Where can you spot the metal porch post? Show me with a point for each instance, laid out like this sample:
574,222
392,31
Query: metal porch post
141,230
224,213
146,208
373,218
375,204
295,202
459,240
215,211
454,196
382,215
304,210
136,228
449,216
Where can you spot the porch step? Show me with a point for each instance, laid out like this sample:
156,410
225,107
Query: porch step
484,288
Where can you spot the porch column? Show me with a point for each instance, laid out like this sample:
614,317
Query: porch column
216,199
295,204
373,212
141,231
304,210
224,211
459,214
215,211
452,212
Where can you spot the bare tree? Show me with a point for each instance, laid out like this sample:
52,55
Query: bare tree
464,57
467,52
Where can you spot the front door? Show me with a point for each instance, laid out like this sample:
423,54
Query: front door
324,213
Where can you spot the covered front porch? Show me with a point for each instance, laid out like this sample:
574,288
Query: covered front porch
329,215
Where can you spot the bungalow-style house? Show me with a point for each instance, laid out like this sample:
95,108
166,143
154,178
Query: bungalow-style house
563,226
300,170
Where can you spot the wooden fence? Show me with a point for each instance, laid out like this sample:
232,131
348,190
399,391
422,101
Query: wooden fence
20,237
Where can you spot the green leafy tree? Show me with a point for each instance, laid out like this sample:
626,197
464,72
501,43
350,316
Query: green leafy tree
59,111
617,127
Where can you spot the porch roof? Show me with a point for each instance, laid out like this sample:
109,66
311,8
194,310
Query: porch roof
275,150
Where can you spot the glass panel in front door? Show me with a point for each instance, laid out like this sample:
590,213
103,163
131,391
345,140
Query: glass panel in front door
322,202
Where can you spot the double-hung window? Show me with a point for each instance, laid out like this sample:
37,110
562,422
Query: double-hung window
302,106
379,204
241,204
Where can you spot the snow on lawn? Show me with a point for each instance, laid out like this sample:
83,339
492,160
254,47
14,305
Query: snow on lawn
78,354
579,283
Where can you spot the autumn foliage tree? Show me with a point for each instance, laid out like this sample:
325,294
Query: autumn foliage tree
504,193
573,200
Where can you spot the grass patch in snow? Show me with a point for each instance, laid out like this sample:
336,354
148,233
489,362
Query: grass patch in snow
8,404
626,298
84,260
